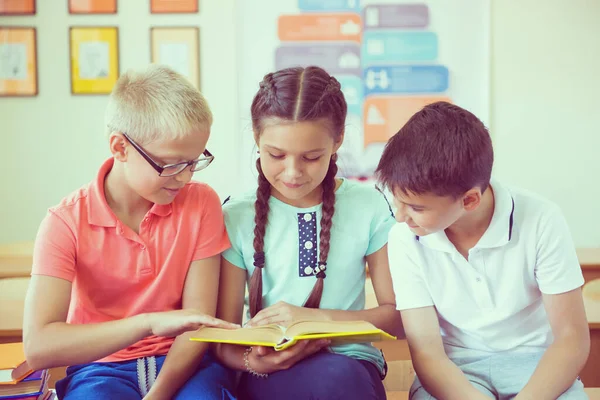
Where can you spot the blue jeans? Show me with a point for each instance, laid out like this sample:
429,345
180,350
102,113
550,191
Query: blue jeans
131,380
324,376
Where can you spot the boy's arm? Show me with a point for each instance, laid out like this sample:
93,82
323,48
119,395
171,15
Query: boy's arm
51,342
438,375
567,355
200,292
559,278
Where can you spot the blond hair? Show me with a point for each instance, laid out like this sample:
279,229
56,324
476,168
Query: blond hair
156,103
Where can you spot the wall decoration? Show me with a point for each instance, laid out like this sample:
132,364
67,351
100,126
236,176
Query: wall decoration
17,7
92,6
173,6
94,59
18,61
177,48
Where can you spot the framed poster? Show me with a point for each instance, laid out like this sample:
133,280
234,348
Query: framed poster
173,6
92,6
17,7
177,48
18,61
94,59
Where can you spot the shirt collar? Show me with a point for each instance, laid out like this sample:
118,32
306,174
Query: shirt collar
99,212
498,233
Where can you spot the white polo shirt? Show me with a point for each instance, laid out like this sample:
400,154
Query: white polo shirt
491,302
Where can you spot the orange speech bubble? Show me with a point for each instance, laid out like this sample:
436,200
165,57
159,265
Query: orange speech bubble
304,27
384,116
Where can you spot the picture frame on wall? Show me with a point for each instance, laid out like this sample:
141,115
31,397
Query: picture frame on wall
94,53
18,61
92,6
178,48
17,7
174,6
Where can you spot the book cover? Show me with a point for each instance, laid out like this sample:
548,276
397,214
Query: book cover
13,366
281,338
35,386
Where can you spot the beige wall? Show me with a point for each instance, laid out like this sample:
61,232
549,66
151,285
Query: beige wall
55,142
544,93
545,118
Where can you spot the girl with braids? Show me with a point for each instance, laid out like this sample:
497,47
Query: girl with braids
300,242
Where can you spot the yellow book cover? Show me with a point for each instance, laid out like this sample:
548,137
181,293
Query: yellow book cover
13,367
280,337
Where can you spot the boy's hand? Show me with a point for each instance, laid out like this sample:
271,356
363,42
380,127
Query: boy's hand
174,323
266,360
282,313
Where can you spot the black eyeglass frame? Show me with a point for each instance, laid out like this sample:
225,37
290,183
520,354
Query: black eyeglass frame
207,157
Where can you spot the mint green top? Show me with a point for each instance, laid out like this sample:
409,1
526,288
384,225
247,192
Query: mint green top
360,227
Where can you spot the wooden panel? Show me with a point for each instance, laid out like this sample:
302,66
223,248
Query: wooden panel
589,258
590,375
16,259
400,377
12,303
397,395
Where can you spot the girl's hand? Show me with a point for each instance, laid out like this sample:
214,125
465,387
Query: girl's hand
266,360
174,323
282,313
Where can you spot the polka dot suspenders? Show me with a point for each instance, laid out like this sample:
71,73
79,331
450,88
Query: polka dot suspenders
307,243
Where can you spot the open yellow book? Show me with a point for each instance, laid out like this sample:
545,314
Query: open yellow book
280,337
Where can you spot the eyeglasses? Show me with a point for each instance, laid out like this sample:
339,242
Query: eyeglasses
173,169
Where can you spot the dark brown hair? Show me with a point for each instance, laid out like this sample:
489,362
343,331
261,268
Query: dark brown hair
443,149
296,94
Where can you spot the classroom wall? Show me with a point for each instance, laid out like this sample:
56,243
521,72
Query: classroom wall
55,142
543,118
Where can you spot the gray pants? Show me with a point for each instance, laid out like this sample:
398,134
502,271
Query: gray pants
500,376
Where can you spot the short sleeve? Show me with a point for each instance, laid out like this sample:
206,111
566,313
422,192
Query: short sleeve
212,239
233,221
54,252
410,286
383,220
557,268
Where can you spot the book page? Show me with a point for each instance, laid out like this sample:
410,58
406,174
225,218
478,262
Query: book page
268,335
300,328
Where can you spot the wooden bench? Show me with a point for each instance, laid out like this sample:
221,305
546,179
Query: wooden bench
15,267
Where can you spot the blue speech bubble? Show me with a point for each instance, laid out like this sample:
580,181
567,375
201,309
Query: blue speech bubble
352,87
329,5
398,46
403,79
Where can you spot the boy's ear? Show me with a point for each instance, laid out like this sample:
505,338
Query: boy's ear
472,199
118,146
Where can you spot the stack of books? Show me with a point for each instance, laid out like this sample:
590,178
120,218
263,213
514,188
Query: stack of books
17,380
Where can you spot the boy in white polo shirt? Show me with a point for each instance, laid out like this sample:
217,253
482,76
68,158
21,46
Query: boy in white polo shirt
486,277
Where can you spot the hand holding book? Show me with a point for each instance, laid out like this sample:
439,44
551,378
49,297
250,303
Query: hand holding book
284,314
266,360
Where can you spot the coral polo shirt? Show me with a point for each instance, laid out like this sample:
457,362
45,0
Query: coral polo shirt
117,273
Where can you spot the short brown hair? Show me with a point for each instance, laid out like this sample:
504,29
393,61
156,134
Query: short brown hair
443,150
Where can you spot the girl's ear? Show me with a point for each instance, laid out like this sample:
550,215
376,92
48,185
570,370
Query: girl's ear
338,142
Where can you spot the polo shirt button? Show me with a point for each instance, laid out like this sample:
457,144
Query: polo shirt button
143,247
478,279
